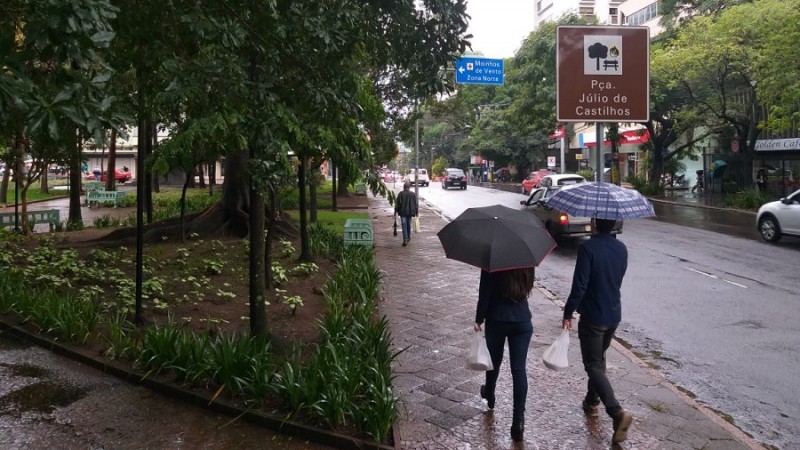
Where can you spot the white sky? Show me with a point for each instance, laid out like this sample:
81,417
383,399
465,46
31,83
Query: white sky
499,26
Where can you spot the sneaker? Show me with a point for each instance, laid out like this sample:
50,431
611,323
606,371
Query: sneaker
622,422
488,396
405,243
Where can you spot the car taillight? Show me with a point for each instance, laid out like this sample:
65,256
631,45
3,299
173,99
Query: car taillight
563,219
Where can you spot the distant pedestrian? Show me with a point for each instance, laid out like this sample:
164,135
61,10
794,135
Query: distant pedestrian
405,206
97,173
595,295
761,180
85,168
503,304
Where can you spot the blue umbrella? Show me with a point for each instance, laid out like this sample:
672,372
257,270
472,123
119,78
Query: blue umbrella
717,168
602,201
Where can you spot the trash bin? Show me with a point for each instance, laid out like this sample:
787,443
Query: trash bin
358,232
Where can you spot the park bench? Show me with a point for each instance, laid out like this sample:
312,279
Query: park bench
101,196
48,216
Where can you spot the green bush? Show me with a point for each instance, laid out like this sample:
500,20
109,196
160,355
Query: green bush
748,199
641,185
587,173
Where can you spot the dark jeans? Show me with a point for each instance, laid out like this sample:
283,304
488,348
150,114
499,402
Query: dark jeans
519,338
595,340
405,224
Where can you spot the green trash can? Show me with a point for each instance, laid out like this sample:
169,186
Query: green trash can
358,232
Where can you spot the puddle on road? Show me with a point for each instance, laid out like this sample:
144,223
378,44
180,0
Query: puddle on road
42,397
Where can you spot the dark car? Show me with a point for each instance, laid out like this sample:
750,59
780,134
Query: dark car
454,178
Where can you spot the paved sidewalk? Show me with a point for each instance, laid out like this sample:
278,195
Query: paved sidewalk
430,303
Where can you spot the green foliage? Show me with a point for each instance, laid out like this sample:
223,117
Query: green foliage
587,173
640,184
748,199
106,221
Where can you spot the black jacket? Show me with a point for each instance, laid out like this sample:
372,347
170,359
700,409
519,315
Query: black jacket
406,204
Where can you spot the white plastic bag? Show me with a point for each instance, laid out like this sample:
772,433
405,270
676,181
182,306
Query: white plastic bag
415,224
479,358
555,357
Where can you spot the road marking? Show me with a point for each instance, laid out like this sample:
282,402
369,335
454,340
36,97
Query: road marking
735,284
702,273
716,277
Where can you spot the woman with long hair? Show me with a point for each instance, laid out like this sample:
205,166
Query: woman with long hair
503,305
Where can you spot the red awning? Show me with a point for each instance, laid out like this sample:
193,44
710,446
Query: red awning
628,137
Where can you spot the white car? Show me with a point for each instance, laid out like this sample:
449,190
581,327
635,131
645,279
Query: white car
779,218
421,176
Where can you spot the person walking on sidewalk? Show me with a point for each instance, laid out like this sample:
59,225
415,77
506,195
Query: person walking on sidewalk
595,295
405,206
503,304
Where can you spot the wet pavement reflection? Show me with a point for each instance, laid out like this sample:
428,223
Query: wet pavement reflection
50,402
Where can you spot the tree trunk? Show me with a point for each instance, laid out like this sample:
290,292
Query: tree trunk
305,250
212,177
152,136
272,215
111,169
342,192
43,185
258,319
201,177
75,182
334,207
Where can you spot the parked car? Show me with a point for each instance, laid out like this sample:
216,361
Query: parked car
454,178
533,179
122,176
779,218
421,176
562,179
559,223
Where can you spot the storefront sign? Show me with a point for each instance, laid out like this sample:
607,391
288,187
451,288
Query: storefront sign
772,145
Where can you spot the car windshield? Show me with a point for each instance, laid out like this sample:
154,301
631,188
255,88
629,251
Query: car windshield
569,181
455,173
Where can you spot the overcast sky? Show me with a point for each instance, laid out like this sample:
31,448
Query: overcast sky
499,26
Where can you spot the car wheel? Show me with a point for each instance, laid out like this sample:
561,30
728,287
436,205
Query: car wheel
769,229
465,188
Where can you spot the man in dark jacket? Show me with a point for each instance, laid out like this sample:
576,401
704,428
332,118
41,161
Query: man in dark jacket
405,206
595,295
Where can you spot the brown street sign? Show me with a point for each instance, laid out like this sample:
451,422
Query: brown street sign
603,74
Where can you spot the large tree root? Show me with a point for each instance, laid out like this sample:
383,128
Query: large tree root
214,221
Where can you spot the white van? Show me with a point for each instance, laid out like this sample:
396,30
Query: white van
422,176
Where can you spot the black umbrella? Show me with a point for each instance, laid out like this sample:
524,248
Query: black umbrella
496,238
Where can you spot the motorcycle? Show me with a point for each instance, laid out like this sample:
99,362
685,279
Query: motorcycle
698,186
678,181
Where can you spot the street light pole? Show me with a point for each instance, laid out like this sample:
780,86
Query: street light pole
416,160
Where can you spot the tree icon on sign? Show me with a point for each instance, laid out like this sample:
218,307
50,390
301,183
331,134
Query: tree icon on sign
598,51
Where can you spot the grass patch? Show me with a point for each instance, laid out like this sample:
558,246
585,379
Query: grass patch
331,219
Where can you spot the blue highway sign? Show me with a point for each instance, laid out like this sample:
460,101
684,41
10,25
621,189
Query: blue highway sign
472,70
